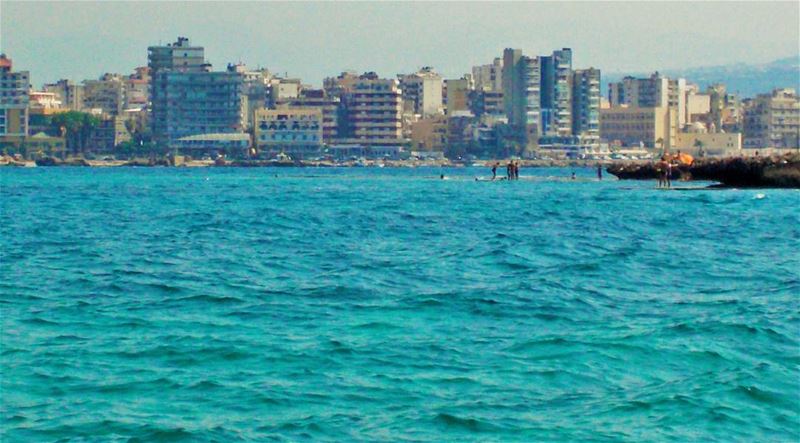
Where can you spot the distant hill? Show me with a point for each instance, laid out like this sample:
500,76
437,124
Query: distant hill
747,80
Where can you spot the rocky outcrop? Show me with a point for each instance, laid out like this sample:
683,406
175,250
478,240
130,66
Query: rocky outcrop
743,172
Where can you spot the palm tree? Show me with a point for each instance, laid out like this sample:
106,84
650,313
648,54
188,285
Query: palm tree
76,127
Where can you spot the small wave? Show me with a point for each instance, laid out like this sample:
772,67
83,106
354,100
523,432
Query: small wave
205,385
151,434
428,302
467,424
204,298
163,287
533,344
40,322
762,396
376,326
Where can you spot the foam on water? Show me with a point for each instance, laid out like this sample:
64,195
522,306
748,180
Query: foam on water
388,305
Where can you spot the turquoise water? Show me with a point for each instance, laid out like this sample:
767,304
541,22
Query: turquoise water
387,305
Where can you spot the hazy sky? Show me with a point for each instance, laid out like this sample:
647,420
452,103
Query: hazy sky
313,40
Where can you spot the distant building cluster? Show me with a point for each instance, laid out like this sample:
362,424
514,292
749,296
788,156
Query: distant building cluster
515,105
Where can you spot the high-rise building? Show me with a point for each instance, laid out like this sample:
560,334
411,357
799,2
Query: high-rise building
422,91
483,102
371,112
489,77
556,102
677,91
586,104
68,92
137,87
108,94
640,92
14,99
180,56
725,109
187,98
457,94
773,120
651,92
521,93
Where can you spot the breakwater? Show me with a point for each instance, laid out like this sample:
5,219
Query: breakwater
773,171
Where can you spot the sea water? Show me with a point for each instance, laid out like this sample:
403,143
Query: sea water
156,304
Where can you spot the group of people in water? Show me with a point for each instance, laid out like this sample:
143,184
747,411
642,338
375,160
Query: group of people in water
512,170
664,172
665,165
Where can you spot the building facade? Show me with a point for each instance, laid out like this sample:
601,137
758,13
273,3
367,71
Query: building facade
108,94
137,88
14,101
556,93
521,93
187,98
422,91
489,77
109,132
371,113
648,92
586,104
429,134
703,144
773,120
293,131
329,106
648,127
457,95
68,92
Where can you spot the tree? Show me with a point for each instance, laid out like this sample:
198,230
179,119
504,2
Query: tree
76,127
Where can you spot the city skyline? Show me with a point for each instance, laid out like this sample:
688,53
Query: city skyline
48,38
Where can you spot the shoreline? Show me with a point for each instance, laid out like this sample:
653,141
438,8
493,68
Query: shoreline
148,163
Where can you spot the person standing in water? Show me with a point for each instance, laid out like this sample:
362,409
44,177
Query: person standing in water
510,170
516,170
599,172
494,170
668,174
661,171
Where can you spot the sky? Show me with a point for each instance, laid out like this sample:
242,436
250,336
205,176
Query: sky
314,40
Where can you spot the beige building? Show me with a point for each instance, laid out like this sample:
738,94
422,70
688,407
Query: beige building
717,144
137,87
319,99
654,91
725,109
69,93
698,108
773,120
458,95
372,110
429,134
293,131
651,127
108,94
422,92
489,77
